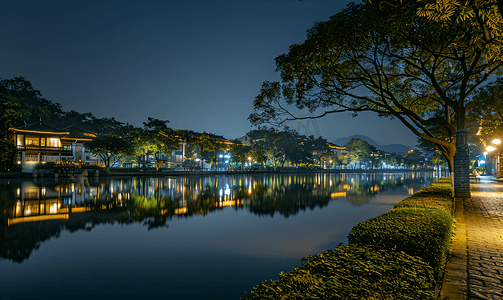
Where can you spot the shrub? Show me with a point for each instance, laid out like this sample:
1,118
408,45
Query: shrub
435,191
419,232
427,203
437,196
47,165
353,272
103,170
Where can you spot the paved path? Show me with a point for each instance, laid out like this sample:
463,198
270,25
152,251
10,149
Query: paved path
475,270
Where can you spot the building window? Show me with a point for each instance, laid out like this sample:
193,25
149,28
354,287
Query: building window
53,142
42,142
20,139
32,141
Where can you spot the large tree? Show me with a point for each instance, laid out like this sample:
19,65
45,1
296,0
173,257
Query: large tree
110,147
391,62
484,15
359,151
20,102
160,140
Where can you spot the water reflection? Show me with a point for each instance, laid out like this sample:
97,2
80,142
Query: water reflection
34,211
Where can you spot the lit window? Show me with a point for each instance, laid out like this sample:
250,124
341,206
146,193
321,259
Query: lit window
32,141
53,142
20,140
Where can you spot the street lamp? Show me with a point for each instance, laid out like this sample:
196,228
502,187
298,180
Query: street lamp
499,171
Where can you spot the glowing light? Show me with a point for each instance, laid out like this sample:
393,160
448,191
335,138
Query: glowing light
496,141
490,148
337,195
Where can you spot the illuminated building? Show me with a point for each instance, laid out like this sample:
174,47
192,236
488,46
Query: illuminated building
40,143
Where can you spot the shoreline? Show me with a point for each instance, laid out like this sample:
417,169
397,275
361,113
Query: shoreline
153,173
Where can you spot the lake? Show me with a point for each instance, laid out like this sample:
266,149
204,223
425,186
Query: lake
191,237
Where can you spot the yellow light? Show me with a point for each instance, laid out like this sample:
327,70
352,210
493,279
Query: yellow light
490,148
337,195
496,141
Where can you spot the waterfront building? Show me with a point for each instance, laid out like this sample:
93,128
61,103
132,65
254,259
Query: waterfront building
41,143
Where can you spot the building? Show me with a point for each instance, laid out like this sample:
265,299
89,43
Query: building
40,143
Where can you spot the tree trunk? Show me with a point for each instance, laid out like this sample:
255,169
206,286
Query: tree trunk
461,158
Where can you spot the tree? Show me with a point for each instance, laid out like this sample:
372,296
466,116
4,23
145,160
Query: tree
8,154
239,153
486,117
205,146
160,140
483,15
110,147
320,150
359,150
393,63
19,102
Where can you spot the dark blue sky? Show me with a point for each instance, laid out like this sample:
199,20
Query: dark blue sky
198,64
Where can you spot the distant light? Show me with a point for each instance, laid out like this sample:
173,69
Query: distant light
482,162
490,148
485,153
220,156
496,141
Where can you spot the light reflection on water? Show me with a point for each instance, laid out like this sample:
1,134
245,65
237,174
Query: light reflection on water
182,237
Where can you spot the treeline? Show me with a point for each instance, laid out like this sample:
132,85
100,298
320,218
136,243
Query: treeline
119,143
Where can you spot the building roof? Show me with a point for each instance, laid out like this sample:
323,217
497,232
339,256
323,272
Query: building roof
77,133
39,127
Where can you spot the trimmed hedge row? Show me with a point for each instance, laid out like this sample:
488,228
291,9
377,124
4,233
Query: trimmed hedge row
353,272
425,233
396,255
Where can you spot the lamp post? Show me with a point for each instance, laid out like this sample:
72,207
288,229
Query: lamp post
497,155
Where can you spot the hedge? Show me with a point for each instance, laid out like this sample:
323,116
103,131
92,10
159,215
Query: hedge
353,272
425,233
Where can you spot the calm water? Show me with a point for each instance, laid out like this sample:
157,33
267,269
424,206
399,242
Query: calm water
194,237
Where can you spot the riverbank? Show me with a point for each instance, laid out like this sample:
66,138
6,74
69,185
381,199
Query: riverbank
47,173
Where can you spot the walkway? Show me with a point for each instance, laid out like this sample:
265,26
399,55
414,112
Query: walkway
475,270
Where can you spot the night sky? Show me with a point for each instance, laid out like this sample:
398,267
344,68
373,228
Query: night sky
198,64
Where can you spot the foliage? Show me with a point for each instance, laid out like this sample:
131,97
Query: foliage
486,117
353,272
425,233
102,170
483,15
359,150
436,196
110,147
46,166
285,146
391,62
21,102
8,154
159,140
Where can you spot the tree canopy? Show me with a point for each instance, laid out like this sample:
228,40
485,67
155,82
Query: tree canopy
391,62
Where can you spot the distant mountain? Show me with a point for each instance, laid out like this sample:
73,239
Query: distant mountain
392,148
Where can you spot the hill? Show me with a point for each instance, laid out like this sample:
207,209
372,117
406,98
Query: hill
392,148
